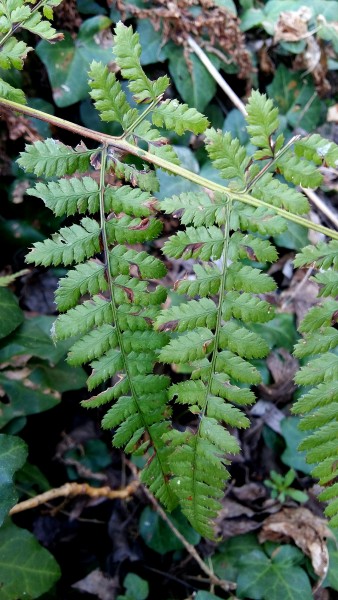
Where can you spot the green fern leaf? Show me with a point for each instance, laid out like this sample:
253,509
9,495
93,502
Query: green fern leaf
179,117
228,156
74,243
145,179
104,368
93,345
260,220
246,307
133,231
247,279
188,347
13,54
243,342
124,260
109,98
322,254
9,92
85,278
328,282
221,386
299,171
274,192
69,195
201,242
326,339
319,370
263,122
187,316
318,150
51,157
319,316
35,24
196,208
250,247
92,313
127,51
207,282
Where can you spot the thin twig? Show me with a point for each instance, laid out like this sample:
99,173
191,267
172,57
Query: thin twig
321,206
76,489
224,585
217,76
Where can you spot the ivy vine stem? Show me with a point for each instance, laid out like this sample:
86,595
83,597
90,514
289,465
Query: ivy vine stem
129,148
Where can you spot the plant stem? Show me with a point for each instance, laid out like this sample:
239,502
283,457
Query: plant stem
125,146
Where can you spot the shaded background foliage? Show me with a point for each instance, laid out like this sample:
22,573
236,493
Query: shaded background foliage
104,548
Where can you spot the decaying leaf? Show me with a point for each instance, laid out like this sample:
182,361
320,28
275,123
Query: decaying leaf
292,26
307,531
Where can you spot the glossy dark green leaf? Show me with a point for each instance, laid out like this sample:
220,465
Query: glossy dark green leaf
226,560
280,332
291,94
157,535
68,61
293,437
272,578
11,316
13,454
196,88
26,569
136,588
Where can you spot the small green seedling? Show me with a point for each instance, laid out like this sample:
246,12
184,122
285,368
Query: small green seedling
280,487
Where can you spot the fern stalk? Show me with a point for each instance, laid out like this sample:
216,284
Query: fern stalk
126,147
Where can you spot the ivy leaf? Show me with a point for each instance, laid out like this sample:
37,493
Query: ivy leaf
291,93
11,316
157,535
271,578
26,569
67,62
13,454
196,88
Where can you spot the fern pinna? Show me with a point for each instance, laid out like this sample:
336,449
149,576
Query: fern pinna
111,297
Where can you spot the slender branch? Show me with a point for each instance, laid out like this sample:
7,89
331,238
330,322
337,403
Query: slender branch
224,585
76,489
141,117
272,162
321,206
125,146
216,75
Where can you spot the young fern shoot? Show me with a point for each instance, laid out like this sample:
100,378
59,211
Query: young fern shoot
112,300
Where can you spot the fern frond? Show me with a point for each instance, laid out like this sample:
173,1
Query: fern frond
318,150
72,244
328,283
145,179
178,117
246,307
127,51
263,121
87,278
324,255
260,220
299,171
228,156
196,208
124,259
274,192
52,158
109,98
207,282
319,316
188,316
13,54
318,406
201,242
68,196
9,92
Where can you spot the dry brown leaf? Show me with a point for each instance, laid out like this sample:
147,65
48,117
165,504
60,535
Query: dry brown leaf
98,584
292,25
306,530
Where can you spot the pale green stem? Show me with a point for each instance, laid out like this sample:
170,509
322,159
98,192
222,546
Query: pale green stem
141,118
168,166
